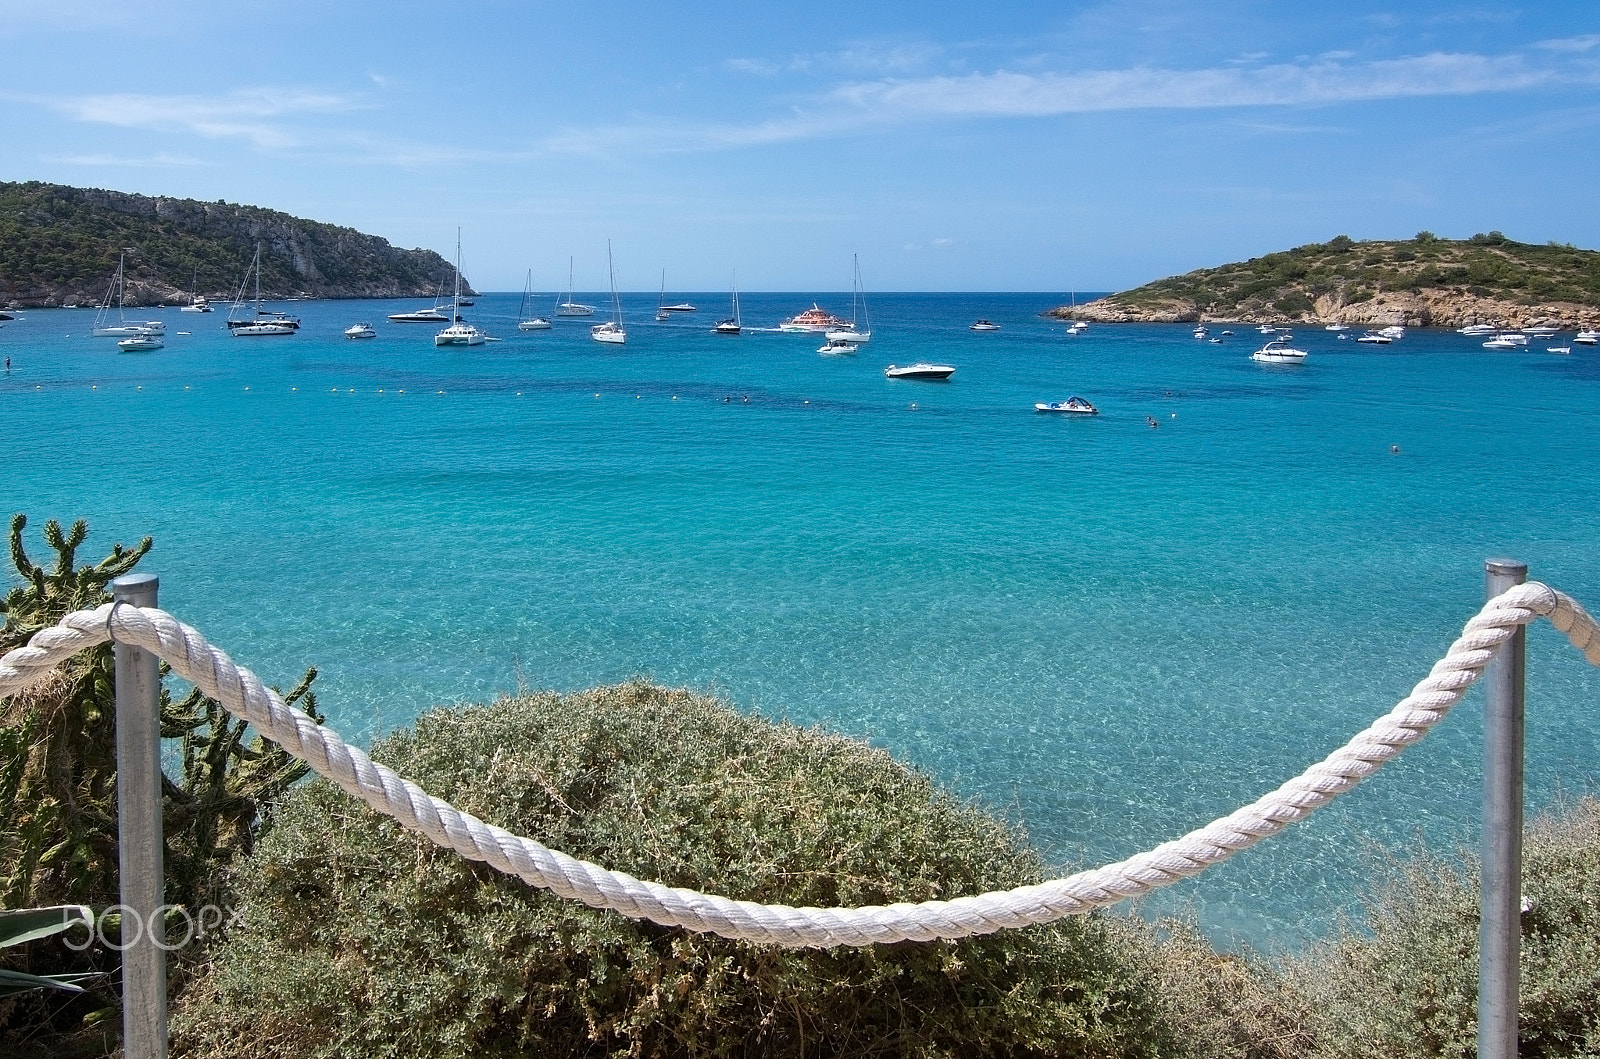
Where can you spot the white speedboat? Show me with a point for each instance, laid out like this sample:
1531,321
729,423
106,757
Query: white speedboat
1393,331
1375,338
140,344
430,315
920,370
1077,328
1201,331
1558,349
1505,342
837,345
1541,332
1337,327
360,331
1071,406
984,325
1473,330
1267,329
1587,338
681,307
1278,351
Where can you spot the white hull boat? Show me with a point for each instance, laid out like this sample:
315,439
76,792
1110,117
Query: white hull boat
420,316
1075,406
570,307
1278,351
860,329
526,321
732,325
459,333
984,325
360,331
612,332
1587,338
837,346
104,328
921,370
140,344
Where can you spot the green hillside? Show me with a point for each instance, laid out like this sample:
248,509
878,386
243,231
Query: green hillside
1425,279
60,244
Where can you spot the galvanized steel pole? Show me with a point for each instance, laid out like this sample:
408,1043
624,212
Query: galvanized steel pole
1500,878
139,835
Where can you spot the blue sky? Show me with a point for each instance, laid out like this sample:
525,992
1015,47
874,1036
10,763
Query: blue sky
954,145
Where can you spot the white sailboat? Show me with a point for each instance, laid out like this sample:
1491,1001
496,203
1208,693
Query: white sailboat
525,321
860,329
732,324
661,302
260,323
459,333
612,331
570,307
198,303
104,328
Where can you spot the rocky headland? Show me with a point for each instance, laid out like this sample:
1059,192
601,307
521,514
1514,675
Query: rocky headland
1421,282
59,246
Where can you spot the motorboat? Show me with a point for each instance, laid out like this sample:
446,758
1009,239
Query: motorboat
1474,330
1278,351
611,332
859,329
984,325
199,305
430,315
1337,327
1201,331
1267,329
1077,328
1541,332
837,345
1071,406
681,307
1587,338
1505,342
1375,338
140,343
920,370
813,319
1393,331
1558,349
360,331
459,333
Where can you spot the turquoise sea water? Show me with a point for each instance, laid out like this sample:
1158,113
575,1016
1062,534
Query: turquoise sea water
1109,633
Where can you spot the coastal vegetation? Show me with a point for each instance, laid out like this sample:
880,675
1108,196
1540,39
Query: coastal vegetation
59,245
58,766
357,938
1423,281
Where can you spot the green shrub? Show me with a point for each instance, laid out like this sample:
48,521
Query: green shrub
1404,984
361,940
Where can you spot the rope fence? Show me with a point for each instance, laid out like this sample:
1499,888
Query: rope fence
243,694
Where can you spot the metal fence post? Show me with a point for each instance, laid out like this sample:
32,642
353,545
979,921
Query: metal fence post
139,835
1500,878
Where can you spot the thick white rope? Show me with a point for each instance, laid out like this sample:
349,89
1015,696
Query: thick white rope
237,689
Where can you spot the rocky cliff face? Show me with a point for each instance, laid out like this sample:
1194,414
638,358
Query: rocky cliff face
1407,308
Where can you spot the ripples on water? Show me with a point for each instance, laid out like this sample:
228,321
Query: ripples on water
1108,633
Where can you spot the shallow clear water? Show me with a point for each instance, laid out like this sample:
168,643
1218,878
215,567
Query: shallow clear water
1107,632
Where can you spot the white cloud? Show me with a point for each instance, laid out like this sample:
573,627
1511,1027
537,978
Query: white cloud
1571,44
247,114
854,106
158,161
